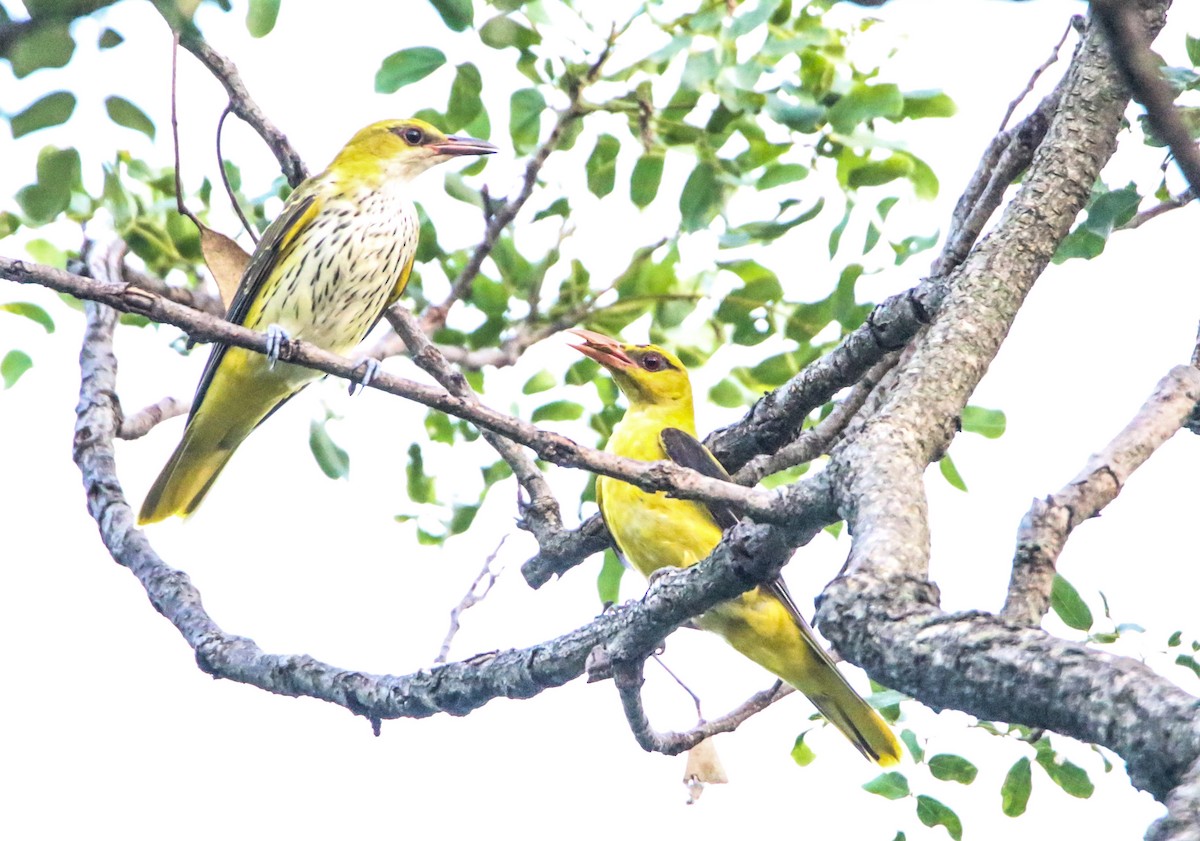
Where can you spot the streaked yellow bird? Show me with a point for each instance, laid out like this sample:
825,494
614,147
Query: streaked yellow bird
338,254
653,531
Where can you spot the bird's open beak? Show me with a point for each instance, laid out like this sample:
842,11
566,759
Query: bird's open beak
608,352
464,146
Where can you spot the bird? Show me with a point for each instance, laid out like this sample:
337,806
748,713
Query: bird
653,532
339,253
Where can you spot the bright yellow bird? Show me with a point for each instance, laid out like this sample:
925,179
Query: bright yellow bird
339,253
653,531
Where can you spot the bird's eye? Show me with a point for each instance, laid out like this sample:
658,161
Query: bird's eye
413,136
653,362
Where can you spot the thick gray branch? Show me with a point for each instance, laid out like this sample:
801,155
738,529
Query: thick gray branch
882,613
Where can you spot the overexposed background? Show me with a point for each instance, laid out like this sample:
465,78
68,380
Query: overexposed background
109,724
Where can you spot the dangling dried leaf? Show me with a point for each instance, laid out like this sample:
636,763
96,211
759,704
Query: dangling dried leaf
225,259
703,767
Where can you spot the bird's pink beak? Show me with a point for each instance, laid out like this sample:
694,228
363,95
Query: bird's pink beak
608,352
464,146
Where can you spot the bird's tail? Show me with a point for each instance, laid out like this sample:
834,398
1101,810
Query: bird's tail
769,630
243,394
185,479
815,674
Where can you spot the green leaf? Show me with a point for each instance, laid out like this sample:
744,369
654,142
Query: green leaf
14,364
608,583
45,45
420,486
110,38
125,113
727,394
864,103
1066,774
502,31
986,422
541,381
1070,607
700,200
456,14
1189,662
260,17
601,165
332,459
526,107
9,222
1175,639
893,785
875,173
801,752
465,104
58,171
950,472
557,411
935,813
407,66
1014,792
921,104
948,766
914,747
646,178
31,311
53,109
779,174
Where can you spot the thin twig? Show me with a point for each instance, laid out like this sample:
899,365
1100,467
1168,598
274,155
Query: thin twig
245,107
628,678
435,316
540,513
1050,521
139,424
1144,216
473,596
817,440
695,698
237,207
1076,23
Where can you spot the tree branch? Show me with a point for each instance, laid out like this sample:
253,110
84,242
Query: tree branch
882,612
628,678
806,501
240,102
748,555
1140,68
138,425
1050,521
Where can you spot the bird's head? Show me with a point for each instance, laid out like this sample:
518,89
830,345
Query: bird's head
401,149
647,374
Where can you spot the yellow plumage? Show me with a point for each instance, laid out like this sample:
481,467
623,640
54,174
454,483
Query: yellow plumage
338,254
653,531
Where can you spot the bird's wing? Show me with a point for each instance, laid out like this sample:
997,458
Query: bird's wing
686,451
272,248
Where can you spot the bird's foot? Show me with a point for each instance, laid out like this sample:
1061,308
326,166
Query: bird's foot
371,368
277,337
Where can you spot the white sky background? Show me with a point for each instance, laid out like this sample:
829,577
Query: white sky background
107,721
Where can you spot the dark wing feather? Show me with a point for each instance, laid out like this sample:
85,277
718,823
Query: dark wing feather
686,451
279,234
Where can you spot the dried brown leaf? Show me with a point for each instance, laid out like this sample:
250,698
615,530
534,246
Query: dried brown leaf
225,259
